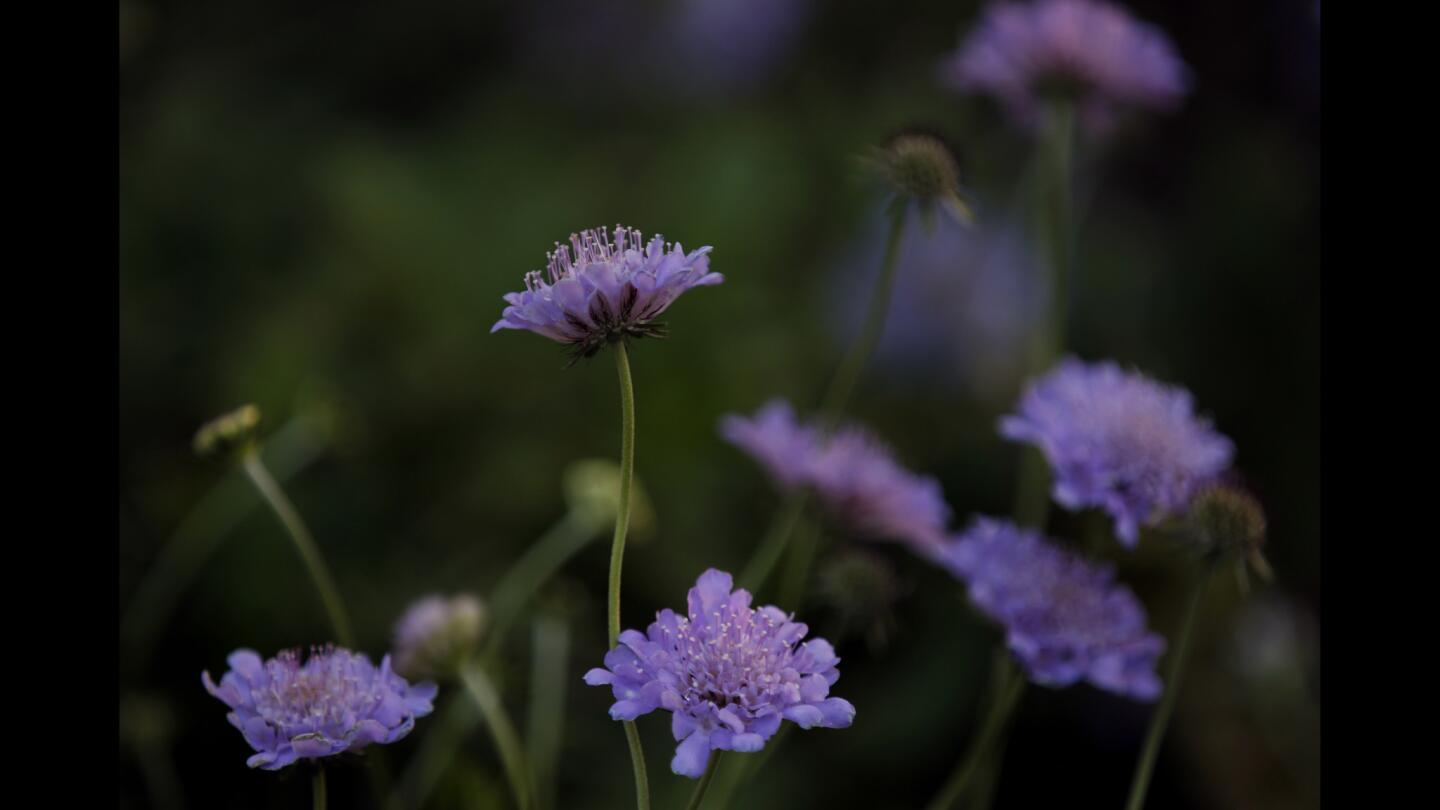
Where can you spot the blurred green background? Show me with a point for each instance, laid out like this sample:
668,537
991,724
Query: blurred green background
321,205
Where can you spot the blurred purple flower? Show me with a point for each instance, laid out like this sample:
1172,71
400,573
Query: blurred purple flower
966,302
727,673
597,290
1020,53
1119,441
335,701
853,473
434,634
1065,618
729,45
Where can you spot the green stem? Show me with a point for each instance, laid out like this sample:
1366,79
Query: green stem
699,795
545,556
549,681
617,551
304,543
1007,697
438,744
768,553
797,573
482,691
843,384
1141,782
317,788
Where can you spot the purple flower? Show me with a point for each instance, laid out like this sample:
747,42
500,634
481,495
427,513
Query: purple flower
1065,618
1119,441
1020,53
853,473
335,701
435,634
597,290
727,673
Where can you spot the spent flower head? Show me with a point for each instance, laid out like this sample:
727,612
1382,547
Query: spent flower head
228,432
1089,51
854,474
727,673
920,168
1065,618
435,635
604,287
1228,522
1119,441
331,702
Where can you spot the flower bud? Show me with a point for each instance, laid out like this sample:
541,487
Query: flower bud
435,635
1228,521
592,491
228,432
922,168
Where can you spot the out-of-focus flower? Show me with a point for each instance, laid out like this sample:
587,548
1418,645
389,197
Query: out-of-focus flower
333,702
597,291
966,302
435,635
920,168
1228,522
728,673
1089,50
1119,441
853,473
861,588
725,46
228,432
1065,618
592,491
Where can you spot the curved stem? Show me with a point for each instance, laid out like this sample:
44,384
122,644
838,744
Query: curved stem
1007,697
1141,781
843,384
617,552
482,691
317,788
304,543
539,563
768,553
699,795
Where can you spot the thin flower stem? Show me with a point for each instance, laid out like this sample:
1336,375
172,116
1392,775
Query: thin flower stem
699,795
512,757
549,682
317,788
524,579
846,377
1143,768
438,745
797,573
1007,697
617,551
304,543
767,554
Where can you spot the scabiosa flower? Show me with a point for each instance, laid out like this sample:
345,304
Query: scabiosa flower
435,634
1119,441
1093,51
854,474
1065,618
729,674
601,289
335,701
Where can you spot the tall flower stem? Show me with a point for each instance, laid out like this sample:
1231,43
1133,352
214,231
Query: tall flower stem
304,543
699,795
767,554
1143,768
1008,689
512,756
617,551
317,788
1056,226
539,563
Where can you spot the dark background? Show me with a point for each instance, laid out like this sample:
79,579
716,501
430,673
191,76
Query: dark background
321,206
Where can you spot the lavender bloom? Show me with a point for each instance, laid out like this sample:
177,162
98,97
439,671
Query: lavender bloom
435,634
1119,441
597,290
335,701
730,45
1065,618
727,673
1020,53
853,473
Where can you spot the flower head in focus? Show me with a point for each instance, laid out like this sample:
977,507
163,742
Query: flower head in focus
854,474
727,673
1065,618
435,634
1120,441
1091,51
331,702
604,288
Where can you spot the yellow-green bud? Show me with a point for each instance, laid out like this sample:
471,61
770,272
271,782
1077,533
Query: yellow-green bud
228,432
592,491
